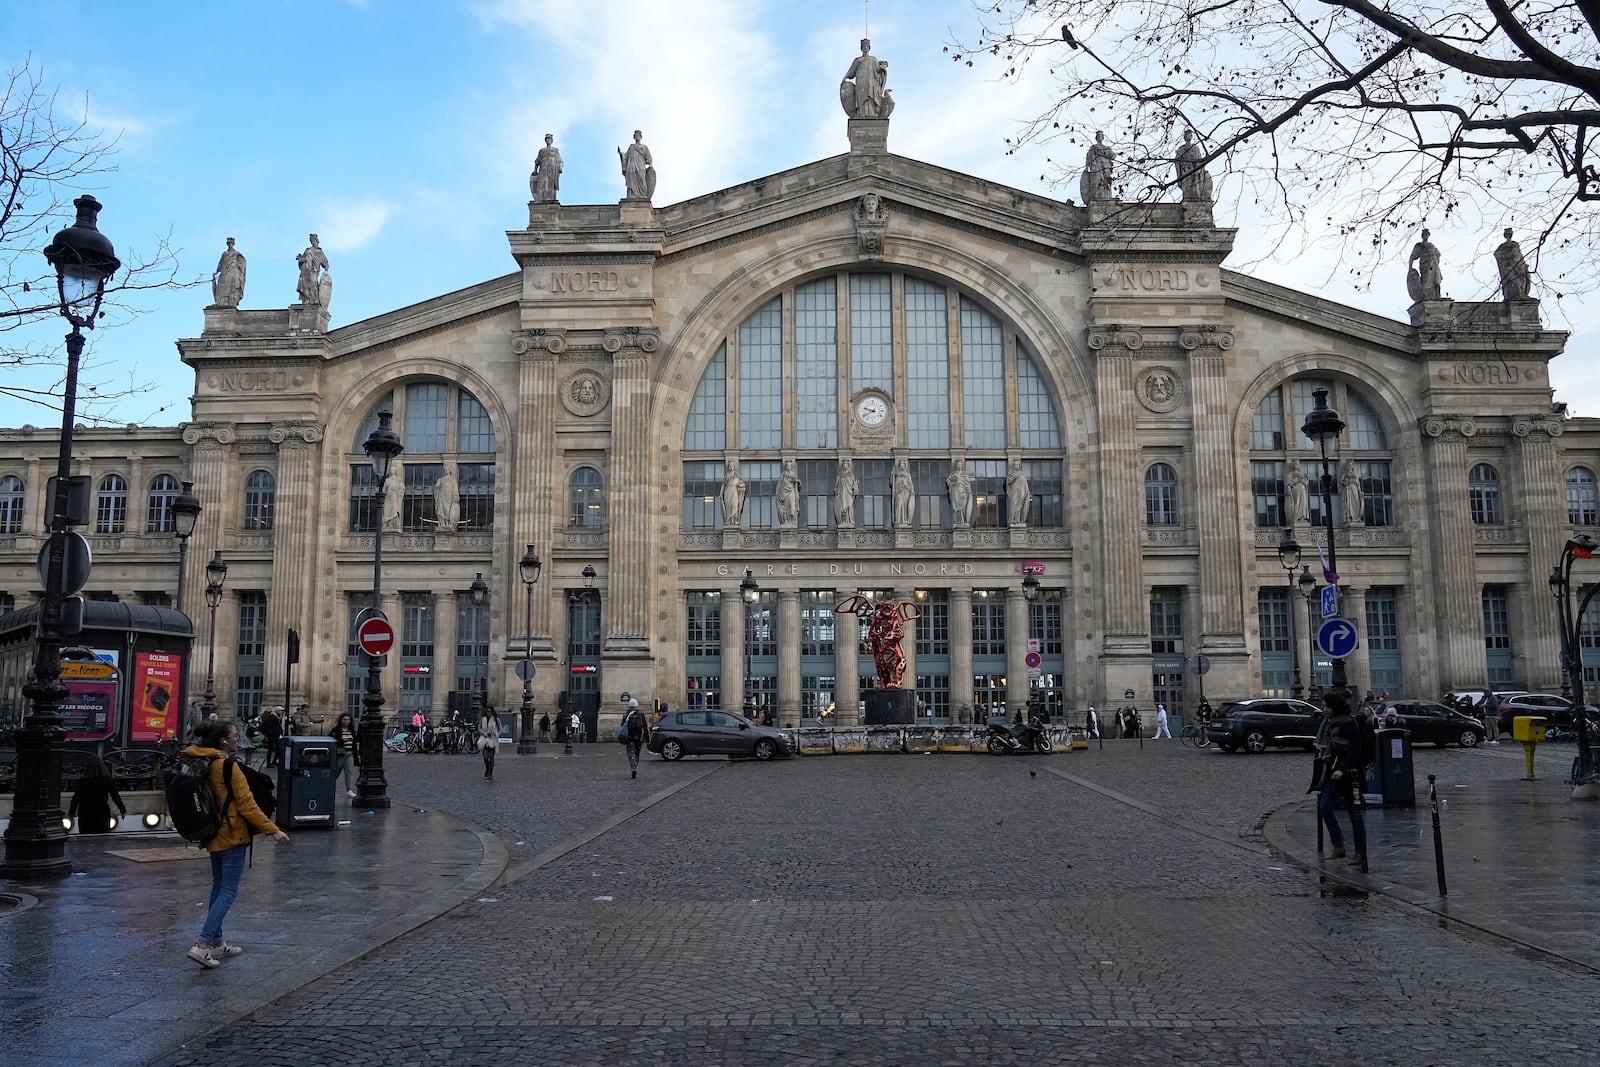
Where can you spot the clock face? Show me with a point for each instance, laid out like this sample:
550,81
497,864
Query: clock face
872,410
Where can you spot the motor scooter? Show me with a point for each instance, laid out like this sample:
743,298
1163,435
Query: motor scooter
1019,739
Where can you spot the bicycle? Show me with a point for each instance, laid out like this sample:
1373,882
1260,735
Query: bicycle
1197,734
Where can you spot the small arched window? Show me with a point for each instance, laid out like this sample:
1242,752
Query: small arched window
260,500
11,499
586,503
1583,507
158,512
1160,495
1483,491
111,505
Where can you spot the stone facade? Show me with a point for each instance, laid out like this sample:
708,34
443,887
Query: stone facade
594,355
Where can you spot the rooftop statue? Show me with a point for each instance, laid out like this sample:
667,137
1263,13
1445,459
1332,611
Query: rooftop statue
545,181
227,284
863,93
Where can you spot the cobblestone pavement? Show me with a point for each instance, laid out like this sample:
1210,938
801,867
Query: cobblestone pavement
1117,906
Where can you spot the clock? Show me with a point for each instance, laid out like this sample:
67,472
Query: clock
872,410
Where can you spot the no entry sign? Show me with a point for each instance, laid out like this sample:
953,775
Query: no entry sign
375,636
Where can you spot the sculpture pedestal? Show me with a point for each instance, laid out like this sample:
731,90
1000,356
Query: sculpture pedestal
890,707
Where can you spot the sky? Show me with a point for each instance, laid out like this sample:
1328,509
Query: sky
402,133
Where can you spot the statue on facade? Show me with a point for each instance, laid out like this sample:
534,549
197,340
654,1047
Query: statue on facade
959,483
447,502
545,181
1096,181
886,632
394,499
1516,281
1019,497
872,222
863,93
638,174
227,284
844,495
1355,501
1192,176
905,495
312,263
1422,275
789,496
1299,501
732,496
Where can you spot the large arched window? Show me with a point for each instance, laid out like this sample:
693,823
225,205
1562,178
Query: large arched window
11,500
111,505
260,500
1160,495
158,513
1582,505
1365,457
1483,492
586,502
443,426
876,363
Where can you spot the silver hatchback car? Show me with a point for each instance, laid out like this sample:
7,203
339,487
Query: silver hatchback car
705,732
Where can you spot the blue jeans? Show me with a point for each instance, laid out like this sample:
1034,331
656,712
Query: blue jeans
1342,788
227,870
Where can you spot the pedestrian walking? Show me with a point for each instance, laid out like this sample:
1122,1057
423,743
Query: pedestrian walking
1491,719
574,729
1339,754
488,739
636,731
1135,727
544,727
1122,724
344,750
1162,729
1093,722
216,740
93,796
271,731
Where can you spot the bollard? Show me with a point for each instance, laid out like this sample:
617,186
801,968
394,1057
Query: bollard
1438,839
1527,748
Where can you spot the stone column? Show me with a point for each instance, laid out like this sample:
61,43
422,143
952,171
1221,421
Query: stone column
1016,649
627,617
1542,497
961,651
847,682
294,515
1126,658
445,644
138,497
389,679
1459,618
209,465
1357,668
908,644
1216,508
533,457
733,684
788,710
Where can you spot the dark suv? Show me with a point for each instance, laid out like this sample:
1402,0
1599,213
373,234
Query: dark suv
1254,724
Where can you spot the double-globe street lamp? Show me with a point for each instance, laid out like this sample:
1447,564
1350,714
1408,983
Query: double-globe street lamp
216,574
528,568
1308,590
372,788
1030,593
1323,425
35,839
1289,559
749,592
1579,547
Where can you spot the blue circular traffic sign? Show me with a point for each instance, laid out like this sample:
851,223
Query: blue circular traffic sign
1337,638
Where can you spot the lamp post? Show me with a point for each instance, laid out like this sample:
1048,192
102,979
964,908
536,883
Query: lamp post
1030,593
528,568
749,592
35,839
1581,546
216,574
1289,559
185,515
1308,590
1323,425
372,788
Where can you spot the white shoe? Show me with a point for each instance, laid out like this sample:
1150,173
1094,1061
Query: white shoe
351,793
224,950
203,955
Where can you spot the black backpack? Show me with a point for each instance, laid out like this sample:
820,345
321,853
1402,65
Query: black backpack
262,790
191,803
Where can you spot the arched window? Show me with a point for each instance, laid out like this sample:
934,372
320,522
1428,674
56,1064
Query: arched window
111,505
11,498
586,501
158,515
260,500
1160,495
1582,506
1276,442
443,427
1483,491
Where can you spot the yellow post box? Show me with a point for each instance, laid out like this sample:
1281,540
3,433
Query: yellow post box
1530,730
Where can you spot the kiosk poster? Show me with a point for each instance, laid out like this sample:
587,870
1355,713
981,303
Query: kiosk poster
155,695
86,714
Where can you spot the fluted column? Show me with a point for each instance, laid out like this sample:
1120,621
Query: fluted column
1357,667
1127,614
1216,499
445,668
209,454
961,651
788,657
627,621
294,518
846,696
1542,497
733,612
390,678
1459,621
1016,650
533,494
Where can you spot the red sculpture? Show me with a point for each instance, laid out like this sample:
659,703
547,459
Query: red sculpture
885,630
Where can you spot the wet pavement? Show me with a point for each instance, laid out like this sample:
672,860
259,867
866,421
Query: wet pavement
1121,905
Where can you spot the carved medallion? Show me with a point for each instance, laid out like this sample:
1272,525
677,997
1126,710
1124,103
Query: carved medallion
1158,389
585,393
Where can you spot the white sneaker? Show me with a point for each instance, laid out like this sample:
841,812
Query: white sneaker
1494,742
351,793
225,950
203,955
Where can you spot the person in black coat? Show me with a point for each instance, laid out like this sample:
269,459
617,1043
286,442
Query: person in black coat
271,731
1339,748
344,749
92,799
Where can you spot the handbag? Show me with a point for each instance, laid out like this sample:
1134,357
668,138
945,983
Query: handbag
622,733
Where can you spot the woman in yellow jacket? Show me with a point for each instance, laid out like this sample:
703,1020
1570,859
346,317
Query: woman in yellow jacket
217,740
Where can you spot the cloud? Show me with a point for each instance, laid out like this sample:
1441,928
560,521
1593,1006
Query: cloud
349,225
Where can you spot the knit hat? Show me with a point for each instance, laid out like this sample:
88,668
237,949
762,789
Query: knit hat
632,703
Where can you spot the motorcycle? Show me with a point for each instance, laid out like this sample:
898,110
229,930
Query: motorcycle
1020,739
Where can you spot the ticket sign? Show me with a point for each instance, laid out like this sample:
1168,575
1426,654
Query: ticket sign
156,677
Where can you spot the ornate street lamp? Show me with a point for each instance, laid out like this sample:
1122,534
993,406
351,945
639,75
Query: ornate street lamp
216,574
1289,559
185,514
1308,590
372,788
528,568
1030,593
750,592
35,838
1323,425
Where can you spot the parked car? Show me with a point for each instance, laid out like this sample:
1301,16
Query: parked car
1255,724
1544,704
1431,721
703,732
1452,697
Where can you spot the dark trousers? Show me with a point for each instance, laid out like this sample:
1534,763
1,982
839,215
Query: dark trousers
1333,790
488,761
633,752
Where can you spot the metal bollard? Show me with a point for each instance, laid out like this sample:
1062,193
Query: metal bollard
1438,839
